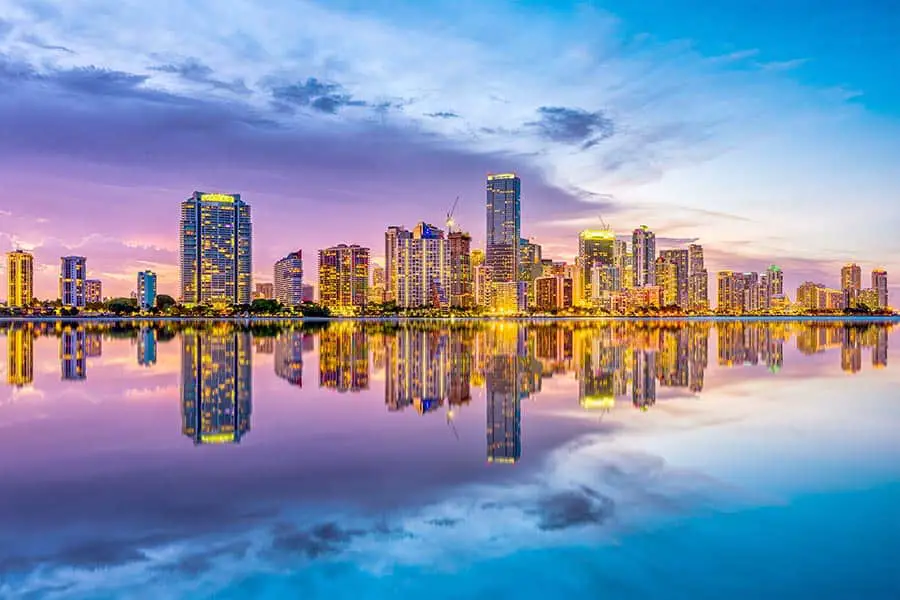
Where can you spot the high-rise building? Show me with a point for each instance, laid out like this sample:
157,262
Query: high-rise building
93,291
503,226
216,384
774,286
392,237
553,292
215,249
622,260
807,294
728,300
343,276
851,282
264,291
698,279
72,271
667,279
681,260
643,250
529,266
287,277
376,288
595,247
146,290
462,285
20,274
20,355
423,268
880,285
484,291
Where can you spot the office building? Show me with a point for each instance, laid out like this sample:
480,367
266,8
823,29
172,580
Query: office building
462,284
146,290
774,279
880,285
72,271
287,278
503,226
681,260
93,291
698,280
553,292
667,279
423,268
643,250
343,276
20,279
851,282
215,250
596,247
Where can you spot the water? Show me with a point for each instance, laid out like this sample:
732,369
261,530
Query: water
499,460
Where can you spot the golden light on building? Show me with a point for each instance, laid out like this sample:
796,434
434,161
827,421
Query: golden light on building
20,273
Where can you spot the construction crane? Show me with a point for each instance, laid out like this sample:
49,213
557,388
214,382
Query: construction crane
603,223
450,221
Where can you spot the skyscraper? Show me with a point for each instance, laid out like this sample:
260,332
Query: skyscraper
288,279
423,268
667,279
880,285
343,276
376,289
215,249
595,247
679,258
774,285
93,291
216,385
530,256
851,282
698,279
392,237
146,290
728,298
503,226
643,249
20,274
462,285
72,270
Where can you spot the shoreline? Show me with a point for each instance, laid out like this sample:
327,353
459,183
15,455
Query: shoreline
398,319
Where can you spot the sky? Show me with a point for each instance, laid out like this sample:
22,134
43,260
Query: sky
767,131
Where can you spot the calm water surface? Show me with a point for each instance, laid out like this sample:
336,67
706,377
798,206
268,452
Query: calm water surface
481,460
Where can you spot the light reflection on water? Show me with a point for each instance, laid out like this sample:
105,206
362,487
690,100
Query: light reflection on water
167,452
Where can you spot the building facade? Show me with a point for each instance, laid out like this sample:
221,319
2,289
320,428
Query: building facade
287,278
343,276
20,279
503,226
851,282
880,285
146,290
72,272
553,292
596,247
215,249
462,284
643,250
681,260
93,291
423,268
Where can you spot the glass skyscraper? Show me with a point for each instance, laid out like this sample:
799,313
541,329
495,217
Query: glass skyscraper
215,244
503,226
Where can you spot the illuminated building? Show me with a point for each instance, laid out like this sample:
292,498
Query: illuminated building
680,259
553,292
774,287
698,280
477,257
650,296
643,391
667,279
72,356
509,297
344,358
264,291
604,279
868,298
392,237
880,285
376,289
484,291
597,364
423,268
146,290
807,294
815,296
622,261
72,271
343,276
20,279
289,357
530,268
93,291
643,250
146,346
851,352
20,355
503,389
216,384
503,226
462,285
215,249
287,278
851,282
595,247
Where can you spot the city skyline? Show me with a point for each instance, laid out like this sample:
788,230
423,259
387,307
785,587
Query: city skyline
590,132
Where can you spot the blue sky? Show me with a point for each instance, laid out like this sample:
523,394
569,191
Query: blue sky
770,132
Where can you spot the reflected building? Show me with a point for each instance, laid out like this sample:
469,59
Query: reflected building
216,385
289,357
344,358
20,355
72,355
264,344
880,348
146,346
93,344
643,391
503,382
